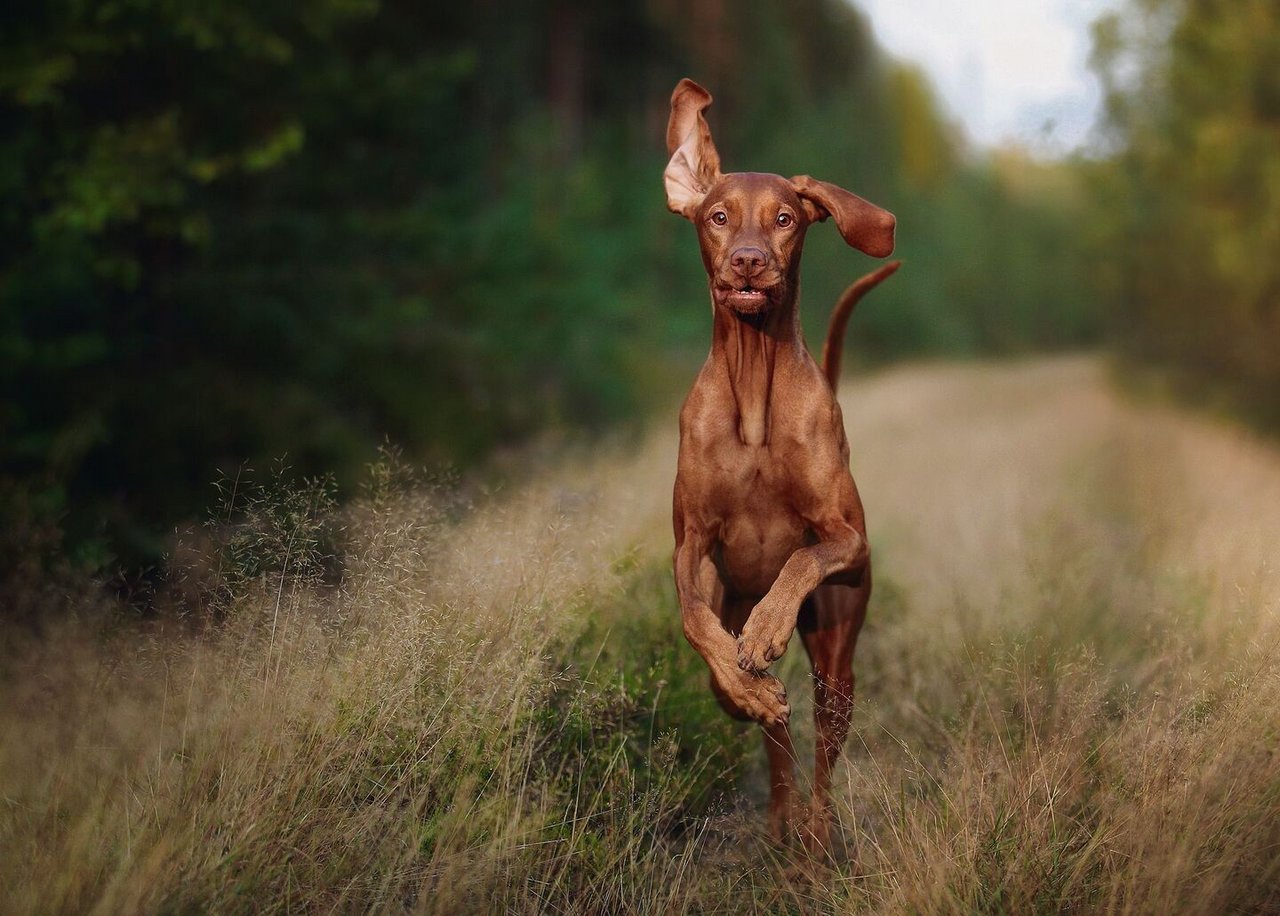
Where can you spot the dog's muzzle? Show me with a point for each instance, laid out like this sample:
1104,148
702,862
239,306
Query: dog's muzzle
748,300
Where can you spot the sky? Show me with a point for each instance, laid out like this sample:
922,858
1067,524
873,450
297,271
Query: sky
1008,70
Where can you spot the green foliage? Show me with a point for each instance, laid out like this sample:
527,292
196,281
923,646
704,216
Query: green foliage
1194,102
233,231
283,533
649,691
996,262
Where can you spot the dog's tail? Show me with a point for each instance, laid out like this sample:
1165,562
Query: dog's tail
833,349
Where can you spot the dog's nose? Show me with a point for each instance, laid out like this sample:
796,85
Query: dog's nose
748,262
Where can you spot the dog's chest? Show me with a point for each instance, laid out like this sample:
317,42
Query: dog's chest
742,471
754,496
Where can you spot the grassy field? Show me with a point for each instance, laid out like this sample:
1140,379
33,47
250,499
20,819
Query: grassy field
1069,690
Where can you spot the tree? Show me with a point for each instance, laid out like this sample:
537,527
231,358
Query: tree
1194,102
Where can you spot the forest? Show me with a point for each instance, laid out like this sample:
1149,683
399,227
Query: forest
246,234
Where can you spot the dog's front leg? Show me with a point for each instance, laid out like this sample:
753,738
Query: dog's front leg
758,695
768,630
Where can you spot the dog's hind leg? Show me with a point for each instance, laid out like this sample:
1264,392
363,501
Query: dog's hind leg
829,625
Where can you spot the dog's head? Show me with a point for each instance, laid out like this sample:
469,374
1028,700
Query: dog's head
751,225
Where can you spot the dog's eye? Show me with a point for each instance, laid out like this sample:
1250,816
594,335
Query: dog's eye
784,220
719,217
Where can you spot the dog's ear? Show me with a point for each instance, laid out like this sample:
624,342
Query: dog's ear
695,164
864,225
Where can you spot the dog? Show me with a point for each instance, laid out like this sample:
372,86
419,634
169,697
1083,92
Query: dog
769,528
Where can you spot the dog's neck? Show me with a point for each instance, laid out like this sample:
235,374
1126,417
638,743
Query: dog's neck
751,349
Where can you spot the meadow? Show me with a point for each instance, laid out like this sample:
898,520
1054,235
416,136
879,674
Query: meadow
423,701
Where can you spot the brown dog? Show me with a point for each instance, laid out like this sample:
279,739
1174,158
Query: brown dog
768,523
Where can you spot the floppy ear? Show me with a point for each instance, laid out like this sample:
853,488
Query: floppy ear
864,225
695,164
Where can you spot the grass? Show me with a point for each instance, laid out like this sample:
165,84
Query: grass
1068,688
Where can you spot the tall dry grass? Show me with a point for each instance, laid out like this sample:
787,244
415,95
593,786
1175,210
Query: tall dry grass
1071,701
1068,690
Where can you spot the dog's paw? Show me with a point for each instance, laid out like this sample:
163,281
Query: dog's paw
762,642
816,834
761,696
788,816
769,698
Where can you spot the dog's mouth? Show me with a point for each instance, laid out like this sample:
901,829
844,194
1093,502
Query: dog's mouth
748,300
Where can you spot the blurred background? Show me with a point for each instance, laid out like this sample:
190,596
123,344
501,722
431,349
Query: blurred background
233,231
